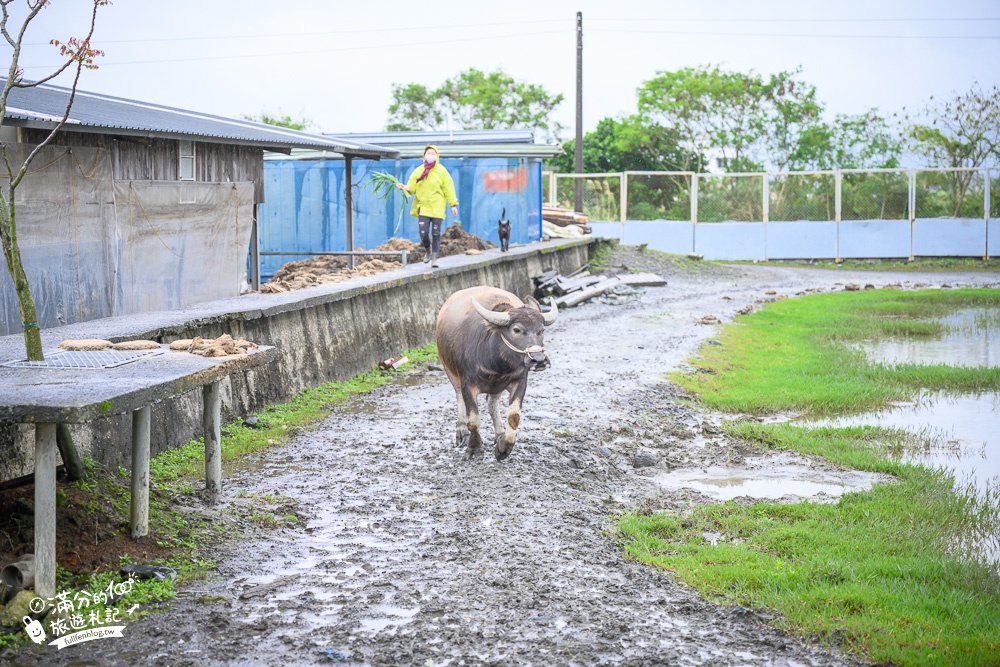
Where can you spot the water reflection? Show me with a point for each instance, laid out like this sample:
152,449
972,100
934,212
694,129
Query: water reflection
971,338
965,429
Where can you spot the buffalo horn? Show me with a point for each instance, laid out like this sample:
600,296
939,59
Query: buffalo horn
551,316
493,317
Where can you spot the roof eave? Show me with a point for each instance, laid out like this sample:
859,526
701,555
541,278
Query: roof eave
276,146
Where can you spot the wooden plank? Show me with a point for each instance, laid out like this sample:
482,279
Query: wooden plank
642,280
588,293
567,286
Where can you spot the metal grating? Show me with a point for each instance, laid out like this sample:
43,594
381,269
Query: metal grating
95,359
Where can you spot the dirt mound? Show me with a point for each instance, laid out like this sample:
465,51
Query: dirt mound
223,346
333,269
135,345
456,241
85,345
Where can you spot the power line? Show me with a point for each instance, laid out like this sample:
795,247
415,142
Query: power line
316,51
805,20
786,34
316,34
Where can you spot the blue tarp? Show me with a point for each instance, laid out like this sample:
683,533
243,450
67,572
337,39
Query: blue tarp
304,204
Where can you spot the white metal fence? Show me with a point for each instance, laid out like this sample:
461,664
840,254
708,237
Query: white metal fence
847,194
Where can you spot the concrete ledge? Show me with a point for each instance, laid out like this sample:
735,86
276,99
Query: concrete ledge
325,333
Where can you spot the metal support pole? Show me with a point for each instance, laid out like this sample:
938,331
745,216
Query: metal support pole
624,201
694,211
838,206
45,510
765,207
211,422
139,505
254,254
578,144
349,208
912,184
552,189
986,212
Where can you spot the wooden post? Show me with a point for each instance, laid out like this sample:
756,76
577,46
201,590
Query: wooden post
45,510
139,507
71,457
578,142
213,437
254,254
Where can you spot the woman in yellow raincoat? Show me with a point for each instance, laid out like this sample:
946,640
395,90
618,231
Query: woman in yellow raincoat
432,188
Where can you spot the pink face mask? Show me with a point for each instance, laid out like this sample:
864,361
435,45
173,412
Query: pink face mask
430,158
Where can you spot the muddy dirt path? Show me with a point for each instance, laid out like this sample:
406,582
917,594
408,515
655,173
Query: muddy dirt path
411,556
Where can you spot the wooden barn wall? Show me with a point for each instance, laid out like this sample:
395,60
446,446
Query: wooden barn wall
138,159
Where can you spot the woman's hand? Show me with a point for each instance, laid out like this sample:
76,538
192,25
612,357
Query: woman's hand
454,211
400,186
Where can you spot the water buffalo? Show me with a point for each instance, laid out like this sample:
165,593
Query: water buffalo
488,340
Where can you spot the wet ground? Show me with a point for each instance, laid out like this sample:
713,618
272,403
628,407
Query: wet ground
411,556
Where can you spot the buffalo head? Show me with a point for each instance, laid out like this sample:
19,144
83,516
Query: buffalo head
522,330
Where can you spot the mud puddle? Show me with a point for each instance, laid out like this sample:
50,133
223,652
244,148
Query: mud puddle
411,556
768,480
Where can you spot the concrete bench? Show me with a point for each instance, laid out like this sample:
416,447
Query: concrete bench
48,396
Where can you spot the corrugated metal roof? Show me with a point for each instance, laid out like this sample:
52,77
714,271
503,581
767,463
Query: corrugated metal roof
42,107
465,143
441,138
542,151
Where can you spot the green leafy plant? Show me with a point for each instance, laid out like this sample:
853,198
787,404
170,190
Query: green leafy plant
383,185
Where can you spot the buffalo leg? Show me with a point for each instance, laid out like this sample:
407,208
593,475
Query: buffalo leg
461,430
475,444
496,415
504,446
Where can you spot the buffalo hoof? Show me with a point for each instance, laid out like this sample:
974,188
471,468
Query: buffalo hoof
501,450
474,447
462,438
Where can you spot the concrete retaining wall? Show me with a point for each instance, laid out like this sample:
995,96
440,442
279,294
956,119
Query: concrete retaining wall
326,333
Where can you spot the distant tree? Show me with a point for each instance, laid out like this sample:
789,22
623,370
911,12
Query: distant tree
76,54
474,100
751,119
963,131
862,141
627,144
284,120
632,144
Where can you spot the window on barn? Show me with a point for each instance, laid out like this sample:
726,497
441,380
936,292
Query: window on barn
186,166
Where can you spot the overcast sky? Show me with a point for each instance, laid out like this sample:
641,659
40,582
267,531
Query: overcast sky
335,62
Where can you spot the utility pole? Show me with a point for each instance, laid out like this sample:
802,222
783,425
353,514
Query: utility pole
578,144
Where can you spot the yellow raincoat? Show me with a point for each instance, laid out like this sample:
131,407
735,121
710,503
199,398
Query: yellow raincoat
431,195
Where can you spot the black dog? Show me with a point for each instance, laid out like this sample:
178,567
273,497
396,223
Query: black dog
503,229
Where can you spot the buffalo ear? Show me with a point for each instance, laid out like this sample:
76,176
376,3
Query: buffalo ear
532,302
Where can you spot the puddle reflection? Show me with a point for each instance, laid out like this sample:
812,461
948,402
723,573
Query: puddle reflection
971,338
965,428
725,483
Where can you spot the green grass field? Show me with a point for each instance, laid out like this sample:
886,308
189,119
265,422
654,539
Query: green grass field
897,574
795,354
920,264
